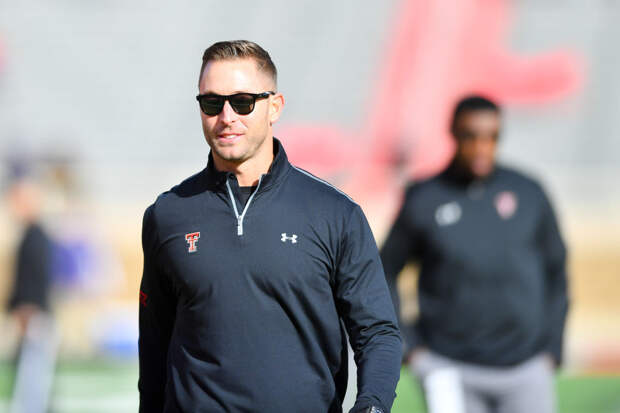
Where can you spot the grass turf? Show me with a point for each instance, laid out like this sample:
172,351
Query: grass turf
111,386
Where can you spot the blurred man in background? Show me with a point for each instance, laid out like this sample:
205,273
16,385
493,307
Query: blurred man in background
492,286
253,267
29,301
30,293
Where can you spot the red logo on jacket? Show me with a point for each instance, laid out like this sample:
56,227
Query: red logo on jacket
192,239
506,204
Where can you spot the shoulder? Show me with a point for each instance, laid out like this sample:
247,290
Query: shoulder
313,188
36,231
183,192
178,198
35,238
428,191
521,181
188,188
423,187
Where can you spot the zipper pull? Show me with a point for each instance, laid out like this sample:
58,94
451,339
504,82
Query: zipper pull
239,226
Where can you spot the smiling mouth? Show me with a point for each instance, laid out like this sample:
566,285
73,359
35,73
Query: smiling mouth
228,137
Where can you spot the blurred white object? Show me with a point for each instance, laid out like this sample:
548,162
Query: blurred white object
444,391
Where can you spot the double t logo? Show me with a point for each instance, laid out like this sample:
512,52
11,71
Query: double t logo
192,239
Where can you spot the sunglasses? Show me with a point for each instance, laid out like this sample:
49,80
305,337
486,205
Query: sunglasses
242,103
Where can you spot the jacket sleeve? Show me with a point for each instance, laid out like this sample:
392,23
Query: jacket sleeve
554,255
157,314
402,244
363,302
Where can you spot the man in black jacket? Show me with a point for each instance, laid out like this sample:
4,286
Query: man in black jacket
492,284
29,301
255,270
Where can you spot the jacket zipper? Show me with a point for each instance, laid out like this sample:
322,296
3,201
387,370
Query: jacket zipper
245,209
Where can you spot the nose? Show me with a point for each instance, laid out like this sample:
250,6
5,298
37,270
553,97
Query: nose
484,143
227,115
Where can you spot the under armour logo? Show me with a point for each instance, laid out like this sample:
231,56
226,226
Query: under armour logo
292,238
192,239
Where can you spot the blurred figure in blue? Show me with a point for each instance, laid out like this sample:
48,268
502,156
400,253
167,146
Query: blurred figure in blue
29,301
492,287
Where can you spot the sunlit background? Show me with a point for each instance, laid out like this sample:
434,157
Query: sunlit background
97,104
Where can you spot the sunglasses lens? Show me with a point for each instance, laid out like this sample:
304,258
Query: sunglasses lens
242,103
211,105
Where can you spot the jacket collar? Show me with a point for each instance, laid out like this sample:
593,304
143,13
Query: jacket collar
277,171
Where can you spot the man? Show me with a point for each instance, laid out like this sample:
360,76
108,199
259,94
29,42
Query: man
492,284
29,300
30,293
253,269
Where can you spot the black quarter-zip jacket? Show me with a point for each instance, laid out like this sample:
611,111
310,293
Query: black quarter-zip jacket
492,287
244,308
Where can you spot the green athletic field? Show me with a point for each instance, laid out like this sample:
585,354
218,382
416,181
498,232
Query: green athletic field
97,386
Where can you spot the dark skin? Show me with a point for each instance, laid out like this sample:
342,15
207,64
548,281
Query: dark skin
476,133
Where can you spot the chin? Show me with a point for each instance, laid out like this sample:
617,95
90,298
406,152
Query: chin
482,173
231,156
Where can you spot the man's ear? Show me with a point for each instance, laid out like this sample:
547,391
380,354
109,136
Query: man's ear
275,107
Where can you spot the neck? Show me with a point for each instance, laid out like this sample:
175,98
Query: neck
463,173
248,171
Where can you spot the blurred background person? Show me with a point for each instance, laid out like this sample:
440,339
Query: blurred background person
492,285
29,300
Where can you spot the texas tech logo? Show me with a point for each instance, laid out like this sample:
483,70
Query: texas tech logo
192,240
506,204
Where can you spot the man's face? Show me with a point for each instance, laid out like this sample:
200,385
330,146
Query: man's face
476,133
24,200
235,138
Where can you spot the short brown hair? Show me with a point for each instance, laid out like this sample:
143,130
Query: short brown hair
240,49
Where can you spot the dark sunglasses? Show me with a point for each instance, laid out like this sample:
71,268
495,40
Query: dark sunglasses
242,103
